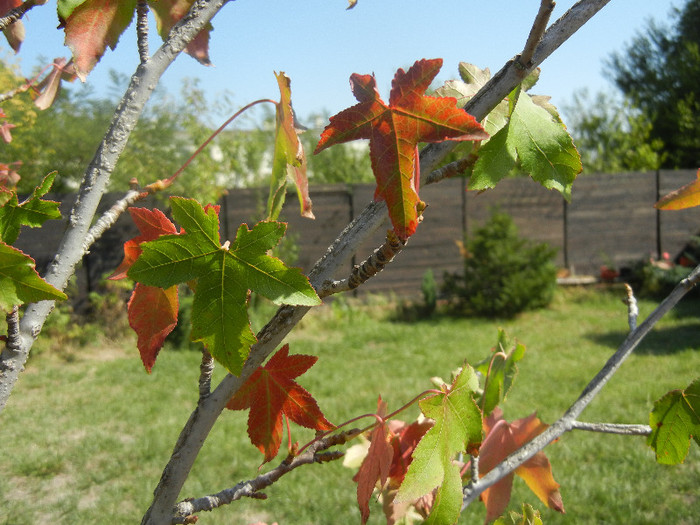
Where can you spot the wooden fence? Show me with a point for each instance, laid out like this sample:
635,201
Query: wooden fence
610,220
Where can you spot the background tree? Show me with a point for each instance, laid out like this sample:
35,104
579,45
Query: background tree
611,135
659,72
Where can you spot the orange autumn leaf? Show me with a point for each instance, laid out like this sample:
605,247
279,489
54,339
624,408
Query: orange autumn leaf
152,311
376,465
271,393
502,439
394,131
686,197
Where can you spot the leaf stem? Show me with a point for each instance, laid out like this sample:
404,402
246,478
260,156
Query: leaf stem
169,180
206,369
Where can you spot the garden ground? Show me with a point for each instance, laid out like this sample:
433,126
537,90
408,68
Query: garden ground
87,431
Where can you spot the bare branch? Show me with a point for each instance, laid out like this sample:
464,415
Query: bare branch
252,488
96,177
361,228
206,369
18,12
108,218
612,428
632,308
538,28
568,420
142,29
374,264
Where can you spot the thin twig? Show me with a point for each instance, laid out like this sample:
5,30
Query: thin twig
374,264
206,369
612,428
564,424
252,488
632,308
538,28
453,169
18,12
108,218
142,29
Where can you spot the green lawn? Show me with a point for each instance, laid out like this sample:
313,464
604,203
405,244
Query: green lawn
87,432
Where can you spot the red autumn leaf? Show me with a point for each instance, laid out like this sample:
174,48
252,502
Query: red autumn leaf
152,315
394,132
152,311
168,13
686,197
375,467
8,176
502,439
152,224
92,26
271,393
404,441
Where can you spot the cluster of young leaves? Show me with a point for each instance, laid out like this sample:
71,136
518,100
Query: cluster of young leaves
526,131
394,131
92,25
221,275
416,466
19,281
674,421
271,394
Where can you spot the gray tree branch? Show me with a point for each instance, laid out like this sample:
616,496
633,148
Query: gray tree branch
369,220
95,180
569,420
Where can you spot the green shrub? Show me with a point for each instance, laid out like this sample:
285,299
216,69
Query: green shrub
504,274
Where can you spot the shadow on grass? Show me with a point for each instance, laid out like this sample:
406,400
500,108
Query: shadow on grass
663,340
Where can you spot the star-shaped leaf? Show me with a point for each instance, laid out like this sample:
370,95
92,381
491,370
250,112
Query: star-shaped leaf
394,131
456,428
32,212
376,465
225,274
152,311
271,393
502,439
675,420
19,281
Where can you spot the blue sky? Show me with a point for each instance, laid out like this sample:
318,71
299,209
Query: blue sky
319,44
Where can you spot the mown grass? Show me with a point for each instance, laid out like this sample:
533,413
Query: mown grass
87,432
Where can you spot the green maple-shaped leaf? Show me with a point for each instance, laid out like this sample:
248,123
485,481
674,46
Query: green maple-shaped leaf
32,212
457,428
19,281
499,370
674,420
225,274
537,137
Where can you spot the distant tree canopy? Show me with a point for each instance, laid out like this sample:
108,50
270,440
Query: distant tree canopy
64,139
659,73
